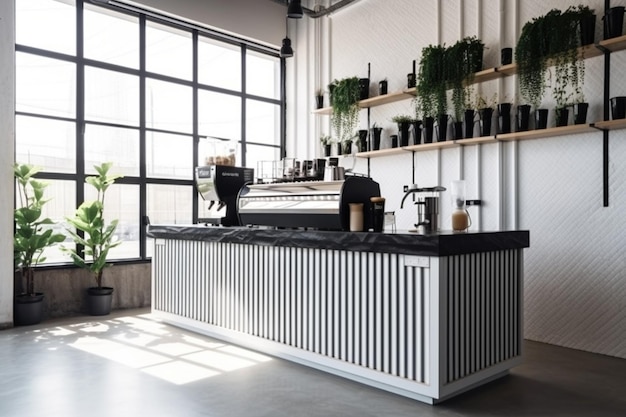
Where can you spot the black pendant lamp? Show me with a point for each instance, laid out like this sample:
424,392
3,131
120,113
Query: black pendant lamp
286,50
294,10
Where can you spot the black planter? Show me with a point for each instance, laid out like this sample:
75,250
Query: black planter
27,309
339,148
504,117
319,101
614,22
327,150
485,121
403,133
523,117
410,80
382,87
588,30
458,130
429,122
506,56
99,300
442,127
375,134
580,113
362,140
364,88
562,116
618,107
541,118
394,141
417,132
469,123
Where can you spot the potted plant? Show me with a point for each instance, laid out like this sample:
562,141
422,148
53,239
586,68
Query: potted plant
432,83
326,142
347,145
319,98
96,238
32,236
344,99
485,111
404,124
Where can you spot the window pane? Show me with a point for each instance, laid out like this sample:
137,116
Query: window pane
111,144
111,97
122,203
169,156
111,37
219,115
46,24
262,75
168,204
219,64
169,51
254,154
169,106
61,195
50,144
45,86
262,122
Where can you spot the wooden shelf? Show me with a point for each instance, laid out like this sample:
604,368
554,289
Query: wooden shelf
547,133
429,146
610,124
323,110
476,141
380,152
614,44
384,99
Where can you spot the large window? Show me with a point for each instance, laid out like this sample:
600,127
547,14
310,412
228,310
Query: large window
98,83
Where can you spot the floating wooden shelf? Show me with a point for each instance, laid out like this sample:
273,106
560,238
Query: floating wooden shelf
476,141
380,152
384,99
547,133
323,110
610,124
614,44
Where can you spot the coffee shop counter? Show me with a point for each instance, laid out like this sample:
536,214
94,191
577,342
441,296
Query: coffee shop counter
424,316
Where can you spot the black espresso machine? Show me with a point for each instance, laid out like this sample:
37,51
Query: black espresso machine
219,185
322,205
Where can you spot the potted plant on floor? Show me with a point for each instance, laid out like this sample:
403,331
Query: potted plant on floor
96,239
31,237
344,97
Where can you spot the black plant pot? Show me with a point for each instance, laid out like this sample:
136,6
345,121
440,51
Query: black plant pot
327,150
580,113
382,87
376,132
319,101
614,22
394,141
562,116
588,30
618,108
458,130
363,140
410,80
403,133
523,117
485,121
506,56
469,123
504,117
417,132
27,309
428,129
339,149
99,300
364,88
541,118
442,127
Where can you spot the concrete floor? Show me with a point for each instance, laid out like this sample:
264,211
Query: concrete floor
128,364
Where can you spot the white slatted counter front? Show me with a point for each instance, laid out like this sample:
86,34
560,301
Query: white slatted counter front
425,327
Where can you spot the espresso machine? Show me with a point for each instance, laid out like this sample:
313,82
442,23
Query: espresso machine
427,207
219,185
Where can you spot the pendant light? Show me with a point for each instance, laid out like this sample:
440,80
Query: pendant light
294,10
286,50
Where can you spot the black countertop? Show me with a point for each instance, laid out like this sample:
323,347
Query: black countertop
440,244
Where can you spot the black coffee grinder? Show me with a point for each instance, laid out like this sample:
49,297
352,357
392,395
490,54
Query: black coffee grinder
427,207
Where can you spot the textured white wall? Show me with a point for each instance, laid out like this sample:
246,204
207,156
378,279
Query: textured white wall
7,125
575,290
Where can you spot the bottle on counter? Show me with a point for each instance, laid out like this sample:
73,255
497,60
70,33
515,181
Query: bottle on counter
460,217
378,213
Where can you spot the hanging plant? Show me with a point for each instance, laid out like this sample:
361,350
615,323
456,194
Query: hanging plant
463,60
431,82
344,97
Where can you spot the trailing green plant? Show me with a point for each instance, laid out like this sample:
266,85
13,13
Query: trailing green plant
32,231
344,97
431,81
98,236
463,60
552,39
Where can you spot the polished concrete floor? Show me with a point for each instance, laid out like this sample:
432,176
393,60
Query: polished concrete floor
128,364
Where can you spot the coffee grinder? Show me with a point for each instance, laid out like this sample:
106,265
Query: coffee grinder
427,207
219,185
